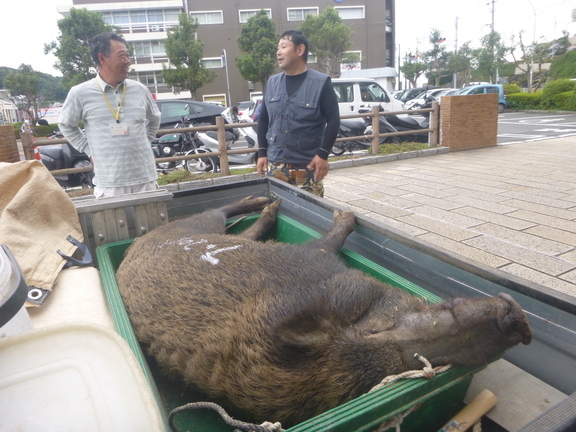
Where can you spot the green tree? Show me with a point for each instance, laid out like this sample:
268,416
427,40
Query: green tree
437,57
23,86
185,51
413,69
72,47
459,63
564,66
258,42
329,40
489,58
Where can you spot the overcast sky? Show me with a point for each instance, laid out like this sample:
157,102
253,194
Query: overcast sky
27,26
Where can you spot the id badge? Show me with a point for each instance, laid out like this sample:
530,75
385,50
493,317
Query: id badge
118,129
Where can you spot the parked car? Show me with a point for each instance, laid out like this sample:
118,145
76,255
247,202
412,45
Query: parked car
486,89
413,93
196,112
362,93
421,100
242,106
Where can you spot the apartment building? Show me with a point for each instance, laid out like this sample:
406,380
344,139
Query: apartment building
144,25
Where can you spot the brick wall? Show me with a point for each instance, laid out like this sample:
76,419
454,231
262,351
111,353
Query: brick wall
8,146
469,122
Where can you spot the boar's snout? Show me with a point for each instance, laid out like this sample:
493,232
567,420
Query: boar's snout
514,321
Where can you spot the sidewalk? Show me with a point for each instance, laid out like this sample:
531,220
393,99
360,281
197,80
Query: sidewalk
510,207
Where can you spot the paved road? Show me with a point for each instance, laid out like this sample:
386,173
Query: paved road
515,127
512,207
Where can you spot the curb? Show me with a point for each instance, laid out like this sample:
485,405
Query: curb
348,163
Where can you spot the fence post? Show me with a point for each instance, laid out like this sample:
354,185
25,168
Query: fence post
434,124
224,167
375,129
27,145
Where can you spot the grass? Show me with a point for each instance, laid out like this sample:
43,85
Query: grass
182,175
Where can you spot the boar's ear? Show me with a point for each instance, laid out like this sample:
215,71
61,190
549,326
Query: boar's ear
304,335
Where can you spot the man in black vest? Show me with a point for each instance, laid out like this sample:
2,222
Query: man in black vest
299,119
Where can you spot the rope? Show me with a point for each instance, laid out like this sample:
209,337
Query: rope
427,372
264,427
394,422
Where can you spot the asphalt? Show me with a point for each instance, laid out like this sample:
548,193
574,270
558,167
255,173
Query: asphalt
511,207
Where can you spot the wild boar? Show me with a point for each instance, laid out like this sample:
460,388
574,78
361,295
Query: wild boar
284,332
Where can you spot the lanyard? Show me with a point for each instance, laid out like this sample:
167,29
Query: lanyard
117,113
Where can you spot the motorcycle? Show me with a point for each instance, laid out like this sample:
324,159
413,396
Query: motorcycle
64,156
179,144
409,123
359,127
237,138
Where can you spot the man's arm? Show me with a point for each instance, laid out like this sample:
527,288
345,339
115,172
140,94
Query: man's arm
68,120
153,116
331,113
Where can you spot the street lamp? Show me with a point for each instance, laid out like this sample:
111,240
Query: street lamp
533,47
225,65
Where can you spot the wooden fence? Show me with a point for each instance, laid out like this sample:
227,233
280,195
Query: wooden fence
221,126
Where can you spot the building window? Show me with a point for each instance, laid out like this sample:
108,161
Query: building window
138,16
208,17
300,14
312,58
212,62
245,15
146,48
350,12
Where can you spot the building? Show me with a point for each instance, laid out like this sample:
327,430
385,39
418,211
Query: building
144,25
8,110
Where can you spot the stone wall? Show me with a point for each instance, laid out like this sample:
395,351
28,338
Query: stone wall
469,122
8,146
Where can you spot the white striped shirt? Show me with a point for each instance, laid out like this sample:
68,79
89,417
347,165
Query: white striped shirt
118,160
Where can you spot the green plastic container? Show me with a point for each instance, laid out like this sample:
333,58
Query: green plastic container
438,399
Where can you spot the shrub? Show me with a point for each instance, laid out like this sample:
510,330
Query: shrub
511,88
564,101
524,100
554,88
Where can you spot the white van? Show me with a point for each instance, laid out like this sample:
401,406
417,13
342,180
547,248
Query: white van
361,93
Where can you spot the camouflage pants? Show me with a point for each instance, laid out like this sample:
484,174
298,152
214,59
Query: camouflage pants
296,175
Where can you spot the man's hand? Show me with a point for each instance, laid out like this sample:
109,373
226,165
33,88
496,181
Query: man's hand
262,166
320,167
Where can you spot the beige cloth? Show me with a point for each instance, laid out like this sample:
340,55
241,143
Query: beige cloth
36,216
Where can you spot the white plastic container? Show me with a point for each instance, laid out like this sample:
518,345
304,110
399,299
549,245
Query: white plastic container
13,293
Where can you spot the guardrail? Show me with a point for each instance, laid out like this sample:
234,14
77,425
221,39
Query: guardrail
221,126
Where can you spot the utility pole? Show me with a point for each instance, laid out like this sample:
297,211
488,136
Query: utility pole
492,25
455,75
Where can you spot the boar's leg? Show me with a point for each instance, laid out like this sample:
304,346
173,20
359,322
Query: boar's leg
333,240
266,221
214,221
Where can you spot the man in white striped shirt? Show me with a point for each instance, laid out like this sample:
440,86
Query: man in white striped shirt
120,119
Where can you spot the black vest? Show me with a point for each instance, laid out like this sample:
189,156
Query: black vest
296,126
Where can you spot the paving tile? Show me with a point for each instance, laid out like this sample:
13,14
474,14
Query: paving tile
548,281
545,220
569,256
379,207
426,190
395,223
554,234
541,262
481,204
447,216
570,277
395,201
541,208
523,239
445,204
552,201
494,218
465,250
442,228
